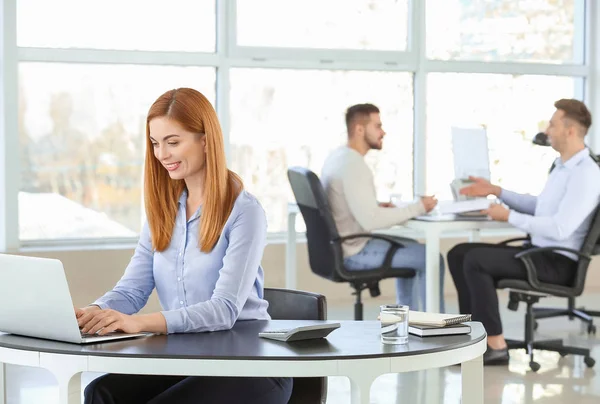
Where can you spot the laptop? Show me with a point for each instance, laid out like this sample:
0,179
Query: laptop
35,301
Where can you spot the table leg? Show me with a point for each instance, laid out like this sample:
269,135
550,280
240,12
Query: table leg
67,370
474,236
472,381
290,253
432,270
69,390
360,390
3,383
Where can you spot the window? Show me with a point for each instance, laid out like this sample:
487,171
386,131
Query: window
331,24
544,31
282,118
283,72
152,25
82,139
511,108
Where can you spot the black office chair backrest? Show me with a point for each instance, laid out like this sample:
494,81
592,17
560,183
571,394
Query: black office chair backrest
325,257
590,246
285,304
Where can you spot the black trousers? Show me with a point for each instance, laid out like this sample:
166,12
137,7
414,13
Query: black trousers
476,269
138,389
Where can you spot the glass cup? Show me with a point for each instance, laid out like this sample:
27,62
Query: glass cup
394,323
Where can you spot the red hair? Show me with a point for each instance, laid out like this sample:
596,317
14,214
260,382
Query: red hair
194,113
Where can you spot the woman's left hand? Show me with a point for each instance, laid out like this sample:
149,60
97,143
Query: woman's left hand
107,321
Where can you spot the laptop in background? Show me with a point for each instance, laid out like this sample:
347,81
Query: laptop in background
35,301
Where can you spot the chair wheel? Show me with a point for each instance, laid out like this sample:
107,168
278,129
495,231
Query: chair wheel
536,366
589,361
591,329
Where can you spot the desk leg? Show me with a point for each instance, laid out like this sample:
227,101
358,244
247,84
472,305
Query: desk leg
475,236
3,398
290,253
432,270
67,371
362,374
472,381
360,389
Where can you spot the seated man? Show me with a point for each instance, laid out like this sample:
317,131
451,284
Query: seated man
559,216
350,189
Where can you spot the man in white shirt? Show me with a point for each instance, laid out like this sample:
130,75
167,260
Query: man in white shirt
350,189
560,216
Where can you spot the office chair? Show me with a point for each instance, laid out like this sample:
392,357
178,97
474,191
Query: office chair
587,316
325,244
287,304
531,290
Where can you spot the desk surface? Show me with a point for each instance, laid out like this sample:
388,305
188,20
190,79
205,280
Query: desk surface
353,340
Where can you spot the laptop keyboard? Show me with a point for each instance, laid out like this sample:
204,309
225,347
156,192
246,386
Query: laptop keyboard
86,335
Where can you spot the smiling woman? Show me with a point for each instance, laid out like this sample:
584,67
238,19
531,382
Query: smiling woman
201,248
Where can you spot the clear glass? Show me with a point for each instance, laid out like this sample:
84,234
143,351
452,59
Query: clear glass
513,109
81,135
331,24
150,25
542,31
394,323
283,118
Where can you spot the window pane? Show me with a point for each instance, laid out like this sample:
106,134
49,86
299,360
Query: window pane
331,24
81,132
153,25
512,108
545,31
282,118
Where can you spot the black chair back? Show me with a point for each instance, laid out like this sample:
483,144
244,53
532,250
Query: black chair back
325,256
285,304
590,246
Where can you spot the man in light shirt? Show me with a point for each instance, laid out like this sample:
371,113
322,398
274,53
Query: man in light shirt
560,216
350,189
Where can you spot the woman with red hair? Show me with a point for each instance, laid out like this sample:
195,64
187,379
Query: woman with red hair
201,248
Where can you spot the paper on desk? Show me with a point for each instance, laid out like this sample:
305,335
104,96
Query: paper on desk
446,207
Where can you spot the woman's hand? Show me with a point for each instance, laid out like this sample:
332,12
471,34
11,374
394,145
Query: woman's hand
107,321
84,314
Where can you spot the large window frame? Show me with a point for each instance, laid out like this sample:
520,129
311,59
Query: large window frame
229,55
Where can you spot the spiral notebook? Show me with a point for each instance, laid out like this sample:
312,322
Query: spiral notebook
436,319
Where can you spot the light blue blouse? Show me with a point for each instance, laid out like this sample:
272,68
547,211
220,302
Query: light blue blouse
199,291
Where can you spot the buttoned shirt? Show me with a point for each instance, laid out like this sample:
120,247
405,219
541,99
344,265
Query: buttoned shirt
199,291
561,215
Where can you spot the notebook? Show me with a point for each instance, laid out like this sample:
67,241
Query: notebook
436,319
429,331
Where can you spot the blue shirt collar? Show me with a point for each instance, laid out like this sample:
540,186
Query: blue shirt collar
573,161
183,204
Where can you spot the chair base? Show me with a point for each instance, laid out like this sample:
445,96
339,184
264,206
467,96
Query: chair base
358,288
587,316
553,345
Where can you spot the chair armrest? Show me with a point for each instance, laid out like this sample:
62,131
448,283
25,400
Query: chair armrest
512,240
553,249
525,256
389,256
389,239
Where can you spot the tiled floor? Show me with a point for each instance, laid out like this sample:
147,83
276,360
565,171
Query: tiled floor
560,380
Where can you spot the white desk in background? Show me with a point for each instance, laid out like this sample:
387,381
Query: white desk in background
432,232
